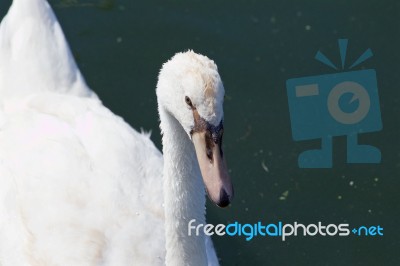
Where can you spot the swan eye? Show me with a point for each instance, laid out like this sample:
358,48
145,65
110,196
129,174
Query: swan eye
188,101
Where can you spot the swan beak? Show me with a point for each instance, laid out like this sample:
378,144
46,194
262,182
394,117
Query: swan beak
213,167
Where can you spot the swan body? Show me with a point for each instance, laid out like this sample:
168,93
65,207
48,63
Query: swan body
79,186
66,199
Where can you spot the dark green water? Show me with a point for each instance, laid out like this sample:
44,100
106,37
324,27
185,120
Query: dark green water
258,45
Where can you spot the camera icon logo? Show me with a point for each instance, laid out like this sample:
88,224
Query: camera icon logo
338,104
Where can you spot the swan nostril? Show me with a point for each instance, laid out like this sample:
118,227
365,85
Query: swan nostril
224,199
209,154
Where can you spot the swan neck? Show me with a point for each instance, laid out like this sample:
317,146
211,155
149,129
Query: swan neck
184,195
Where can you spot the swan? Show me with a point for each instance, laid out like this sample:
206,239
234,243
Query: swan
79,186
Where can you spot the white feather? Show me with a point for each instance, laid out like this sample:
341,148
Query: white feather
79,186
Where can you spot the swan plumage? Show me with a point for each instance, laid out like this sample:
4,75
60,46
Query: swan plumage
76,199
34,55
79,186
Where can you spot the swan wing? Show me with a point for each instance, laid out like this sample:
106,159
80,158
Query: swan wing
34,55
79,186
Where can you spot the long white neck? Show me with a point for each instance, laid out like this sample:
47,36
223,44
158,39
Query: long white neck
184,195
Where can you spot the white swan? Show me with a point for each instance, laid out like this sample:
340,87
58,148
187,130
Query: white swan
78,185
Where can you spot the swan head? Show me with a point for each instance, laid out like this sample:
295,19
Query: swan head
190,89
